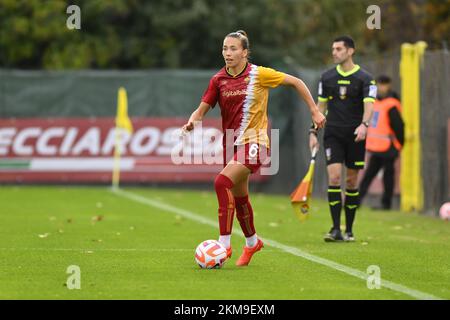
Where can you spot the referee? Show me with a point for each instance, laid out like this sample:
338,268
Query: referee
347,92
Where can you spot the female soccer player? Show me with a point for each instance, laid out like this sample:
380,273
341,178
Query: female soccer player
242,90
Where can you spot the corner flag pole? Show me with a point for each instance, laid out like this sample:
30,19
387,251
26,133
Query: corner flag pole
300,198
123,123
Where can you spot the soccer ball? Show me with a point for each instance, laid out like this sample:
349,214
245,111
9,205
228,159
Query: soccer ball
210,254
444,212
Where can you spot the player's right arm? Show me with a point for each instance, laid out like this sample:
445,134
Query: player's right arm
196,116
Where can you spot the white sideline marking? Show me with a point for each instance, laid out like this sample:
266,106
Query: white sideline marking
292,250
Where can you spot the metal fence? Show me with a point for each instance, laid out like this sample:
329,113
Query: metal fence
435,96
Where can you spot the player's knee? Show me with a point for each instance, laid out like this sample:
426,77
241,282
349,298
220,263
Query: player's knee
334,179
222,181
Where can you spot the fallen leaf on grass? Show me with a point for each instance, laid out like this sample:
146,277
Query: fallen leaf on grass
97,218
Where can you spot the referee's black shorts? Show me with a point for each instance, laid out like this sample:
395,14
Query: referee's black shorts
340,147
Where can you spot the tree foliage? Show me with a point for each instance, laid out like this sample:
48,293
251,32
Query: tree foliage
129,34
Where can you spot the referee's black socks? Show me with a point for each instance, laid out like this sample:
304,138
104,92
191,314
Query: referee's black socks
335,202
351,204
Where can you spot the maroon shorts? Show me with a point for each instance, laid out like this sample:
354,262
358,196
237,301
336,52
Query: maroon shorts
251,155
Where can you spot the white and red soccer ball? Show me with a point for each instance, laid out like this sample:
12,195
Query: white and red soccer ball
444,212
210,254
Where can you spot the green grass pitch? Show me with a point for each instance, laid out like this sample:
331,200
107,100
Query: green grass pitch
128,249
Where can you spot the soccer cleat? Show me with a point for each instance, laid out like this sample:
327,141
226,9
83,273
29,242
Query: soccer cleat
229,252
333,236
246,256
349,237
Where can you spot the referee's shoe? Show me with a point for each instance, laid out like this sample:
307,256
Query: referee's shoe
333,236
349,237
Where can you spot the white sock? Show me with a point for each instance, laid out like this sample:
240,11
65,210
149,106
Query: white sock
251,241
225,240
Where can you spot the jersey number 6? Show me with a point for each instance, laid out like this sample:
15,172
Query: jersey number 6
253,150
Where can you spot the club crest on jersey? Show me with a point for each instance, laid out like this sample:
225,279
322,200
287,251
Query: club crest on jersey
247,80
342,92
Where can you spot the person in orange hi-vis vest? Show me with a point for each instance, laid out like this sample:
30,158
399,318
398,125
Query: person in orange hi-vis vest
385,139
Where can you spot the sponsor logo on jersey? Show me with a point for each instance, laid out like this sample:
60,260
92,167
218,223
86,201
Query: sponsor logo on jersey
233,93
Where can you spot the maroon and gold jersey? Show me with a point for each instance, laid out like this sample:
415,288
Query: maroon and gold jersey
243,101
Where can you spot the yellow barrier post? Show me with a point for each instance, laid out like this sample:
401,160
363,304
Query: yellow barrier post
411,184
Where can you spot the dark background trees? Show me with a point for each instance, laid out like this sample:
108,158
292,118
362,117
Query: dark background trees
133,34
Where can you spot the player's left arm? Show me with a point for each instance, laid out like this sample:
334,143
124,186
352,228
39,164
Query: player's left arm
305,94
369,96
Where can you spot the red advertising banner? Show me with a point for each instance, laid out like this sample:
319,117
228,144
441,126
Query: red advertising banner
80,150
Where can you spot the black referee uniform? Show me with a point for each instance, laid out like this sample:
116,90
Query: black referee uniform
345,94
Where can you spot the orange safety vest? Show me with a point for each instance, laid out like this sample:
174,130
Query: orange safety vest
380,134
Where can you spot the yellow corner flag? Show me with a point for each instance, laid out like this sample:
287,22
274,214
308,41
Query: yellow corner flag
300,197
123,122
